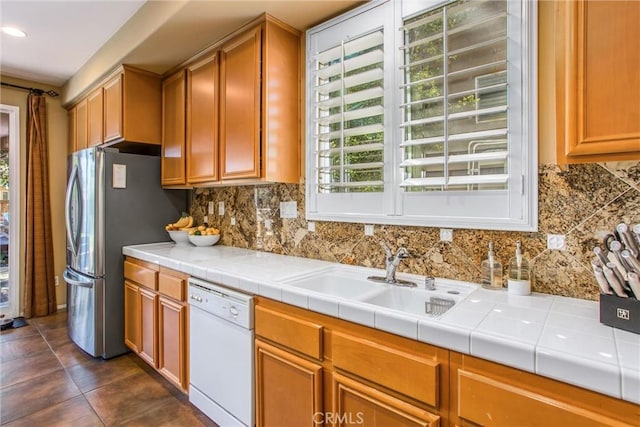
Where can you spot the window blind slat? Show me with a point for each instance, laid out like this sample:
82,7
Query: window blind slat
354,166
456,180
362,95
378,146
460,158
361,130
350,47
351,81
354,63
376,110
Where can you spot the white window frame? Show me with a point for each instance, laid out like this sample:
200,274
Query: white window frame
517,210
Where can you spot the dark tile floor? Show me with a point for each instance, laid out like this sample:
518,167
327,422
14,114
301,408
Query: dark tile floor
46,380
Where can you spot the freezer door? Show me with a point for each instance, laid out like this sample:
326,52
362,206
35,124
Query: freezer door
85,312
84,212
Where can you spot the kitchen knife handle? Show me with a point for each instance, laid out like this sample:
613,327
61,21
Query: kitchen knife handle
614,282
602,281
631,260
634,283
627,238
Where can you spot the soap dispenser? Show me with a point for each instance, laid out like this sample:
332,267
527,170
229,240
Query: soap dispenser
519,280
491,271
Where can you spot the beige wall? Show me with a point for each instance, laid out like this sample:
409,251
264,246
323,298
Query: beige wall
57,127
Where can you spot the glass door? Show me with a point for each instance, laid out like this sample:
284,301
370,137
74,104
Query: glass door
9,214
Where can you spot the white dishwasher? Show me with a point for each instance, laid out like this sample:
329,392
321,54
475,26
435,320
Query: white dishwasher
221,353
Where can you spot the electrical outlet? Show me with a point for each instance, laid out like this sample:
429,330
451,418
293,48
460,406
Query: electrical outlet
368,229
210,210
446,235
288,209
220,209
267,224
56,280
233,220
556,242
205,219
311,226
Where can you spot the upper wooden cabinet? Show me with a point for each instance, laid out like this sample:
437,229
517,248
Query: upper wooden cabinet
94,117
173,130
259,104
597,80
234,116
202,120
125,107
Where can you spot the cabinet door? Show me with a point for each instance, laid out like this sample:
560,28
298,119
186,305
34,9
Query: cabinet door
73,132
94,116
82,125
173,130
131,316
202,120
356,403
288,388
172,317
598,82
113,109
148,340
240,106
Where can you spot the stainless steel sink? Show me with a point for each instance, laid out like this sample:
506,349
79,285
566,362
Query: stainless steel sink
420,301
350,283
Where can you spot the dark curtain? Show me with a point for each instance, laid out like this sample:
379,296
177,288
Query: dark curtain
40,291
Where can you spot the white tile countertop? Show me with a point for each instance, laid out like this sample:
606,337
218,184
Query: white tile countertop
553,336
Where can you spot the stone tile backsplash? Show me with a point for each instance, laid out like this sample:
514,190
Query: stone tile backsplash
583,202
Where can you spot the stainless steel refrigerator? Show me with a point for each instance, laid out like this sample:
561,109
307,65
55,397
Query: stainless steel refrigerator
113,199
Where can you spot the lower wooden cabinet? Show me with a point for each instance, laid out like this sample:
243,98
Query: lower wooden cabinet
148,343
289,390
156,318
172,342
314,369
355,403
490,394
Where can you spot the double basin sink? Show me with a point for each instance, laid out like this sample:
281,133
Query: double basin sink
352,283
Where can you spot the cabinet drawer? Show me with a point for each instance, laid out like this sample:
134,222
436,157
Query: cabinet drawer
297,334
406,373
172,286
143,275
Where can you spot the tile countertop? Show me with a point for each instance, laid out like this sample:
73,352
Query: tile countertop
553,336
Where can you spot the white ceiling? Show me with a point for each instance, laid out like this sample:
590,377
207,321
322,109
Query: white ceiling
61,35
84,38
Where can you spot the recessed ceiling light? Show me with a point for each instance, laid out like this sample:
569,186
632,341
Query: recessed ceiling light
13,31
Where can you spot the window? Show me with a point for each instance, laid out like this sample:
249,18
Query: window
423,113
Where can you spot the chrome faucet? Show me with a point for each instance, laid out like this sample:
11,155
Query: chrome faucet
392,262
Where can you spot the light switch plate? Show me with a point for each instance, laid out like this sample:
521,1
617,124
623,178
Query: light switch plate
220,208
368,229
311,226
233,220
210,208
288,209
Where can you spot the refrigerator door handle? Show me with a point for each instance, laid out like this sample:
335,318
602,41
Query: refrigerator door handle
73,179
74,282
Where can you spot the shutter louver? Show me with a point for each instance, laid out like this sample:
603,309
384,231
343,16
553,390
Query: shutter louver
349,115
454,111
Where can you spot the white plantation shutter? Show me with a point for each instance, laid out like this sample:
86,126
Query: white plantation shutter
454,114
447,137
348,88
349,112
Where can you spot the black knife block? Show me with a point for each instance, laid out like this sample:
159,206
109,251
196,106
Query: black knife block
621,313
